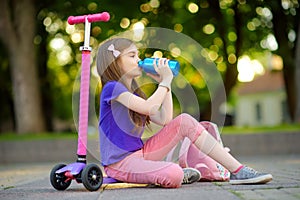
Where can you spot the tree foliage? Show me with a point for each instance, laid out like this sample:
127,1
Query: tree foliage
226,29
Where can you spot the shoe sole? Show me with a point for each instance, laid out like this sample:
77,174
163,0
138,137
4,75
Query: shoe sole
258,180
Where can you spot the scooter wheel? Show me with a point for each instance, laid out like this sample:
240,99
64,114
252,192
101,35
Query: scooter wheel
58,181
92,177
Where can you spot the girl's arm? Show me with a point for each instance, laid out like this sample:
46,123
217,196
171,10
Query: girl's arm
165,114
159,106
150,106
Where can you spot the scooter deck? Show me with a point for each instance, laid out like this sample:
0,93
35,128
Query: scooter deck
109,180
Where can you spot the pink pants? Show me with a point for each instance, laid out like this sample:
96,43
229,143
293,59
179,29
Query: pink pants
146,165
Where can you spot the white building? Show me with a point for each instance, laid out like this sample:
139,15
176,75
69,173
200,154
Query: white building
262,102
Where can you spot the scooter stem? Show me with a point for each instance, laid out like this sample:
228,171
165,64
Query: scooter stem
84,103
85,79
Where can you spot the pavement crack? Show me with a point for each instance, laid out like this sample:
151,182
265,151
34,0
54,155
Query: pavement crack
8,187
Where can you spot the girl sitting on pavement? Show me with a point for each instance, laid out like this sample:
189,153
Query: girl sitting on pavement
125,112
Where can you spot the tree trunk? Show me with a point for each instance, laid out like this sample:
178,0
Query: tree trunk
212,111
287,53
17,23
297,75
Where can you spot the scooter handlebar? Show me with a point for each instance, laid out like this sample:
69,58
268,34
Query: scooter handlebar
91,18
104,17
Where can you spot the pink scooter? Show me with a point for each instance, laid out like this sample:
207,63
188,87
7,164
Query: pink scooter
90,175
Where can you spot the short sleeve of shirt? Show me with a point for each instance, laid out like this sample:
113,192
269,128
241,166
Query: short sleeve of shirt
112,90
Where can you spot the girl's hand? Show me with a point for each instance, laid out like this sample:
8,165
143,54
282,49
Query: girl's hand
162,68
164,72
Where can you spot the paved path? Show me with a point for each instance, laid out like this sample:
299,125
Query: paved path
31,181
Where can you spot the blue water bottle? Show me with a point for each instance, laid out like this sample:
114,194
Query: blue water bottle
147,66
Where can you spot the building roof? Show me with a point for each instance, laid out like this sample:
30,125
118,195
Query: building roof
270,81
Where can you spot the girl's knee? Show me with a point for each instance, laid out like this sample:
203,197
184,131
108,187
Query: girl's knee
184,116
183,119
187,119
189,126
173,176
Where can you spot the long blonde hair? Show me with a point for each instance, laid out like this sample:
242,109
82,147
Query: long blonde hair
109,70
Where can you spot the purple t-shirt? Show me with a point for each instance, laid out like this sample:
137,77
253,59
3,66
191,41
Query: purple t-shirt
117,136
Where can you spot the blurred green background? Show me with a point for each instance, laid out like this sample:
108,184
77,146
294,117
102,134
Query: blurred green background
246,40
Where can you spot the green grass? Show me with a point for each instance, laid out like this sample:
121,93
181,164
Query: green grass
284,128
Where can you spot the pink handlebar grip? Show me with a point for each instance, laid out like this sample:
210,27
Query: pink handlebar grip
91,18
104,17
76,20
